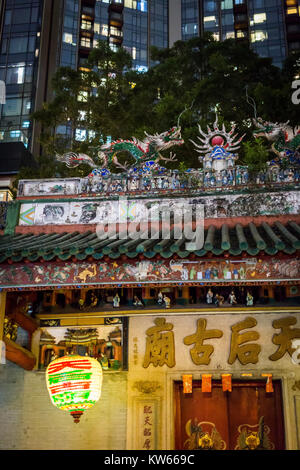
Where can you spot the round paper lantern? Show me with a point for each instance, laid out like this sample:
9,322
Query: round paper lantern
74,383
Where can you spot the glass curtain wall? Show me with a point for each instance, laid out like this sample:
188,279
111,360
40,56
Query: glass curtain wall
19,55
190,19
267,29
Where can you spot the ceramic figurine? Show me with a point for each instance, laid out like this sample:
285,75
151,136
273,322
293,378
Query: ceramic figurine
94,300
224,178
116,301
137,302
167,301
209,296
232,298
219,299
249,299
160,298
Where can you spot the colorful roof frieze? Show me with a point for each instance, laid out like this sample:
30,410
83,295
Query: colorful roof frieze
134,272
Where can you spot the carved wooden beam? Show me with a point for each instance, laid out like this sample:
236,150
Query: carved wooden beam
27,323
18,355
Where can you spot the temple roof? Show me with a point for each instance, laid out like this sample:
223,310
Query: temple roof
251,238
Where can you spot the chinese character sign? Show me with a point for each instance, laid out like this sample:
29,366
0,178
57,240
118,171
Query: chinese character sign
239,339
200,353
148,423
160,348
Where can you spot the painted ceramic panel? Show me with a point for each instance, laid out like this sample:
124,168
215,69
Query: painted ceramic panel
93,211
49,187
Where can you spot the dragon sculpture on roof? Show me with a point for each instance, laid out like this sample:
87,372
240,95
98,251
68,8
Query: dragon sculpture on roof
285,140
145,151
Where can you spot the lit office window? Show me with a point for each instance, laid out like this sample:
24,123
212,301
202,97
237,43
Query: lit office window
116,32
68,38
227,4
142,5
258,18
257,36
209,18
113,47
241,34
85,24
190,29
26,106
104,30
141,68
85,42
131,4
230,35
16,74
15,134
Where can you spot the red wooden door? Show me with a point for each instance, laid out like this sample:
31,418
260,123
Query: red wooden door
244,419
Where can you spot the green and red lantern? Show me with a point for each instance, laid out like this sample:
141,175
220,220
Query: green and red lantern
74,383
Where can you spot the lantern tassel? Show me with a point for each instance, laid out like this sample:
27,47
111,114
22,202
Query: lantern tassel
76,415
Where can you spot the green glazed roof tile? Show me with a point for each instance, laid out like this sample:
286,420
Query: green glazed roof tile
250,239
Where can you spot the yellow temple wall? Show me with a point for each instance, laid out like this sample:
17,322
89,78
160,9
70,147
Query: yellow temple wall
151,385
29,421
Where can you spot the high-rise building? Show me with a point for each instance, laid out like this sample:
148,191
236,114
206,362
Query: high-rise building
37,36
19,57
272,27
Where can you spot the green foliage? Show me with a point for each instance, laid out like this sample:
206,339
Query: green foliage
88,99
198,76
255,155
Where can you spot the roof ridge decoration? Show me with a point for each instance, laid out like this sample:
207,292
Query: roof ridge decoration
217,149
146,153
284,140
217,146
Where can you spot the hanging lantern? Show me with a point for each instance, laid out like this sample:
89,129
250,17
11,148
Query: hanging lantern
74,383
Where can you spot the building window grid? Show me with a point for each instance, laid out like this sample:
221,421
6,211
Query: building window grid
20,73
68,56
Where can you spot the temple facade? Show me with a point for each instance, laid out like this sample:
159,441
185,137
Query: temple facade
186,291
